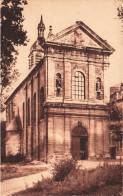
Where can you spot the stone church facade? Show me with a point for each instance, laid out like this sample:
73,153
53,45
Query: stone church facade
59,110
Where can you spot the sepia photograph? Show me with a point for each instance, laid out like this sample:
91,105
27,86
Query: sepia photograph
61,97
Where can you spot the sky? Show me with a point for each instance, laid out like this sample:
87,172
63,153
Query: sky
99,15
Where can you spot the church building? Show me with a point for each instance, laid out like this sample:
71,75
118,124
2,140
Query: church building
59,110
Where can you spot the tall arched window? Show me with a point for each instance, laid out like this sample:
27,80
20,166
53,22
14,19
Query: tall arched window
34,108
28,111
79,86
41,103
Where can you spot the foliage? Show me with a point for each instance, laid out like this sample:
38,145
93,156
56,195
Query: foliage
3,129
9,169
120,11
81,182
12,35
63,168
115,114
3,134
15,158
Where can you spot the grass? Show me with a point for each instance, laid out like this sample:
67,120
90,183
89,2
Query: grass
16,171
104,181
102,191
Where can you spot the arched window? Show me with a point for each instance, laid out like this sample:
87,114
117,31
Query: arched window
28,111
58,82
79,85
34,108
41,103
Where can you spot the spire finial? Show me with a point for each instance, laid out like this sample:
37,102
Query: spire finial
41,19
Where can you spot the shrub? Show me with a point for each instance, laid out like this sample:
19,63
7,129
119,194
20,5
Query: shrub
9,169
15,158
113,174
75,181
63,168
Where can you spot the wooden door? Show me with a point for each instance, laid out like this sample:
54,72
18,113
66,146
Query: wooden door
76,148
83,148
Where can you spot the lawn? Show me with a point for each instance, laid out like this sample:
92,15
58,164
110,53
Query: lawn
68,179
9,171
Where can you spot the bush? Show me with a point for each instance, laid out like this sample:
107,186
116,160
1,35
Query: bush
88,181
9,169
75,181
15,158
63,168
112,174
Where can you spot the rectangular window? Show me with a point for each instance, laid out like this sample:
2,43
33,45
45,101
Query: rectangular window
34,108
23,115
28,111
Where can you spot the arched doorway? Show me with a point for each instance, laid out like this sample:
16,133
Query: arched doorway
79,144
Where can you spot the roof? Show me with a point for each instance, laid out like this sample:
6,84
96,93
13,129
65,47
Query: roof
87,31
22,82
41,24
116,88
36,46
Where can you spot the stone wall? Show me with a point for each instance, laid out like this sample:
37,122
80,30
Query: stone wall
13,143
61,123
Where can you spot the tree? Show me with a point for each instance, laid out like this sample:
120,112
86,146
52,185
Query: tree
115,117
120,10
115,113
119,4
3,135
12,35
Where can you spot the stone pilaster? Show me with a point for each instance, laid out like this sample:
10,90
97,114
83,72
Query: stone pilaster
91,82
92,139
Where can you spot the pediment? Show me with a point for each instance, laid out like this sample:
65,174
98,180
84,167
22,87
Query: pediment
80,35
78,38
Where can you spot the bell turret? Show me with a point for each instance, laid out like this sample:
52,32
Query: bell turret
41,28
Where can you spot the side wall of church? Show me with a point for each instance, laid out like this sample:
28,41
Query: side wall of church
26,105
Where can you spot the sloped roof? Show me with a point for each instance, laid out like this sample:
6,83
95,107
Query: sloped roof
87,31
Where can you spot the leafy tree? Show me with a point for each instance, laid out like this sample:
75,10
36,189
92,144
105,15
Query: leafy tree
120,11
115,117
119,4
3,135
12,35
115,113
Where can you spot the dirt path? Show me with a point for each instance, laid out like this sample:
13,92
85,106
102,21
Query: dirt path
15,185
